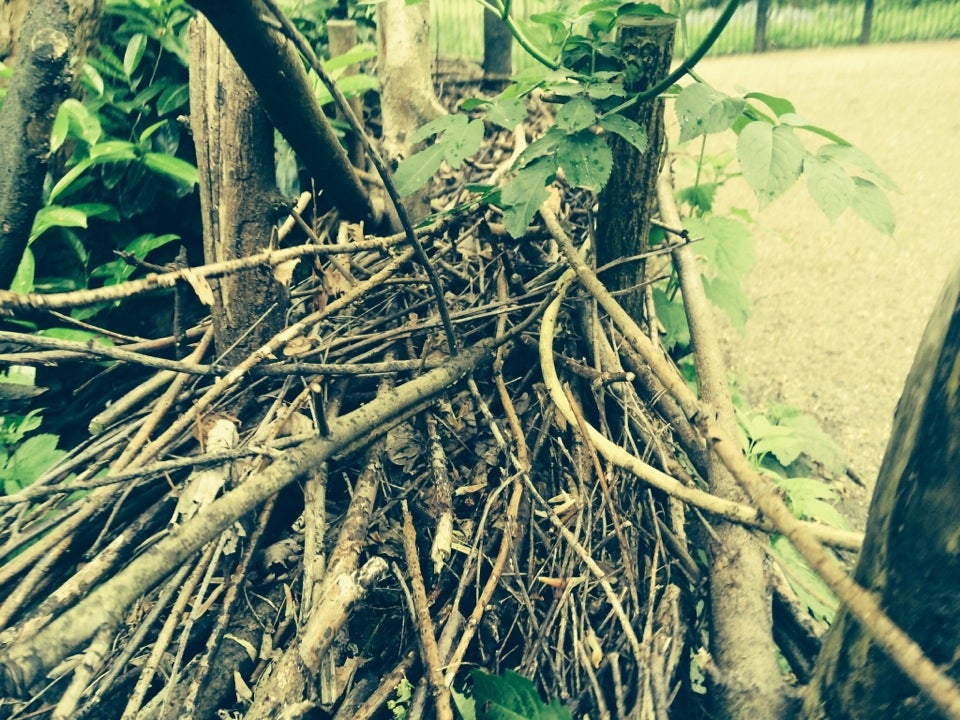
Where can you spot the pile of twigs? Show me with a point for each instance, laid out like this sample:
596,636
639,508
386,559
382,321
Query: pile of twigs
358,501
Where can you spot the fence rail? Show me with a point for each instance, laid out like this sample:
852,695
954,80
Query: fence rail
758,25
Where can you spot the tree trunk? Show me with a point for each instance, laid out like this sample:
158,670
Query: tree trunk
911,552
405,67
497,52
628,201
276,72
234,144
37,88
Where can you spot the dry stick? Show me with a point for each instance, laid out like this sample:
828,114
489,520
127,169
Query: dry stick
306,50
604,492
53,357
103,560
31,580
11,302
132,645
21,664
735,512
900,648
159,649
421,612
271,347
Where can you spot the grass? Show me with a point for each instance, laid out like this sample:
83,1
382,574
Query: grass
458,26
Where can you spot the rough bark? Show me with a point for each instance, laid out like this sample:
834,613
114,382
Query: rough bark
234,142
629,198
37,88
12,15
911,552
405,67
497,52
277,73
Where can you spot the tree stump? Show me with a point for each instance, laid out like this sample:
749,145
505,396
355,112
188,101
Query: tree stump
911,552
629,198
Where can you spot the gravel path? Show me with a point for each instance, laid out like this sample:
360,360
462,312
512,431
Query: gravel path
839,309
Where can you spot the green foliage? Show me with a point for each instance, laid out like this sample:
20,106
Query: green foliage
28,462
810,587
507,697
400,704
121,169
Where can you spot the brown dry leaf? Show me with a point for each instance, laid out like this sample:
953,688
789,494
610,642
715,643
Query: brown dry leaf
244,693
298,347
199,284
283,273
334,281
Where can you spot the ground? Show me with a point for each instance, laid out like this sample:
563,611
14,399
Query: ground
839,309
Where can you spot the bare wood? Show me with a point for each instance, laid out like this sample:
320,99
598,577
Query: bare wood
741,632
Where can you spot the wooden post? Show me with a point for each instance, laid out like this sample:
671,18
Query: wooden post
760,30
497,52
234,142
629,198
342,35
867,25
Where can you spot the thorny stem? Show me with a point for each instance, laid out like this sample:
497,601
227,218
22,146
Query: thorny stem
300,43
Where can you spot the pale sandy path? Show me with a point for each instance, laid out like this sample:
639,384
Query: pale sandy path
839,309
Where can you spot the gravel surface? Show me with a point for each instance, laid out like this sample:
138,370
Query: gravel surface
839,308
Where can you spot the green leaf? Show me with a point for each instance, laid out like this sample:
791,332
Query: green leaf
180,171
92,79
56,216
23,279
512,697
702,110
29,461
586,159
357,54
871,203
577,114
727,246
626,128
794,120
350,86
524,193
74,119
414,171
779,105
437,126
853,157
507,112
810,587
645,9
727,295
466,706
113,151
672,316
771,159
134,53
173,98
829,184
542,146
816,444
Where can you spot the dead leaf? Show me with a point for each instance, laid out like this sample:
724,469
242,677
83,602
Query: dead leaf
199,284
283,273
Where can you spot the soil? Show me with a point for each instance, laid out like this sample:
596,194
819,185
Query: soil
839,309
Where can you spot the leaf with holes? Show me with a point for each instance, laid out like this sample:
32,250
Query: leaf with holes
586,159
702,110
